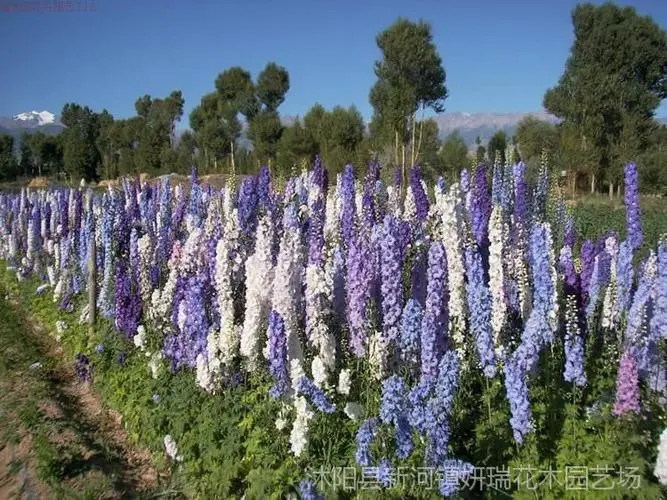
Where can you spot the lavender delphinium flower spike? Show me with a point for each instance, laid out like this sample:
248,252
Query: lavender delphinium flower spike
394,410
627,385
517,395
439,409
658,325
348,216
520,193
479,304
391,271
411,326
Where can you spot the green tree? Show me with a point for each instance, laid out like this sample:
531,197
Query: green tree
454,154
410,77
236,94
214,130
480,154
265,127
44,153
26,163
496,147
265,131
8,165
429,149
617,67
346,133
337,134
186,152
533,136
81,157
154,150
125,138
316,124
272,86
106,145
295,146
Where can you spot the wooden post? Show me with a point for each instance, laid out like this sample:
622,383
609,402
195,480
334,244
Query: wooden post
92,284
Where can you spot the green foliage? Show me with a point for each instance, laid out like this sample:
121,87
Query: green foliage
81,157
454,155
614,80
336,135
534,136
410,76
8,164
496,147
295,147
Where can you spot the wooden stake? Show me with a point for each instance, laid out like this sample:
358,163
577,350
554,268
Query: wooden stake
92,284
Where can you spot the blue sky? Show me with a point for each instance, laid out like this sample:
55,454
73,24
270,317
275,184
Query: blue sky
499,56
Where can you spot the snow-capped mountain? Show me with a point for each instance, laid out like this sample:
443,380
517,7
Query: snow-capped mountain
30,123
35,118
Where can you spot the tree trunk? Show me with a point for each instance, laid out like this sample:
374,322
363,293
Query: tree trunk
405,176
92,280
611,190
396,147
215,164
592,183
618,190
419,142
574,184
232,155
412,146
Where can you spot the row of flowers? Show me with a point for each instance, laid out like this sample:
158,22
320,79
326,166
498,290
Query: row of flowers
419,283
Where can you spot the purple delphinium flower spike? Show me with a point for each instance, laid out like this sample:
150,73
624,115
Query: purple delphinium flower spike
365,436
308,490
633,212
421,201
453,471
278,355
359,290
308,388
434,323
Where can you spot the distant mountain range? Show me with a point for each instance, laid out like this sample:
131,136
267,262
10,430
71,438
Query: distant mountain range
30,122
483,125
468,125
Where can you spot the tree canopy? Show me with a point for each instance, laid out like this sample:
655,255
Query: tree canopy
614,79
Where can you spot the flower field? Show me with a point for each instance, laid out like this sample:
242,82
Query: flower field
352,338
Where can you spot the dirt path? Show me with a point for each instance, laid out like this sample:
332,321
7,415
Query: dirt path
56,438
